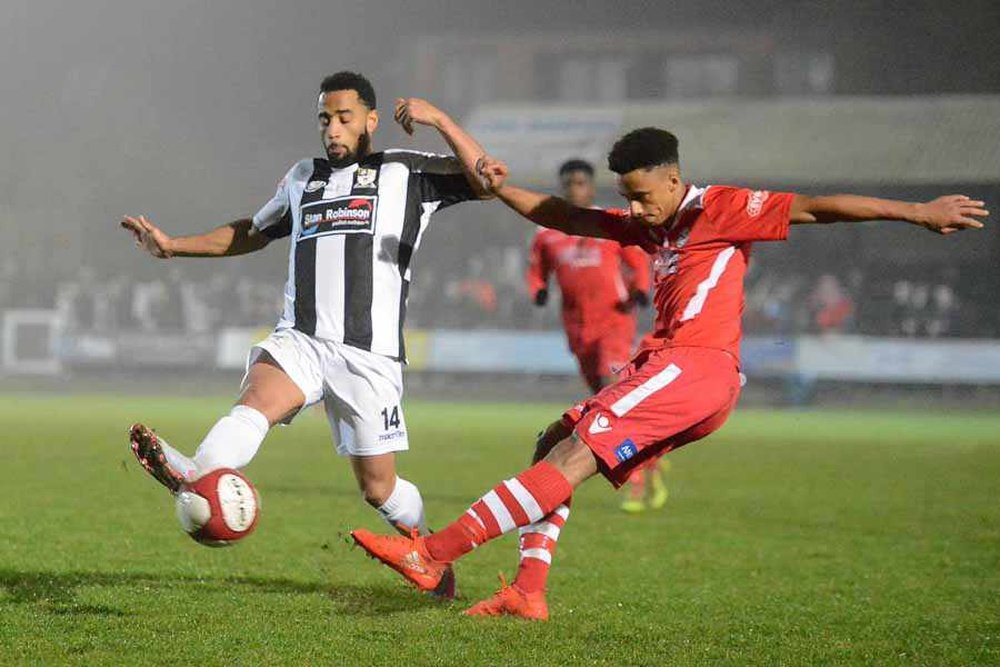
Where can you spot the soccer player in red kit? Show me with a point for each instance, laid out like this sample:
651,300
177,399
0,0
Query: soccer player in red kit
602,282
684,381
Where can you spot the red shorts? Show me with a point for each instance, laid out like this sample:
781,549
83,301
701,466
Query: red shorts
665,399
602,357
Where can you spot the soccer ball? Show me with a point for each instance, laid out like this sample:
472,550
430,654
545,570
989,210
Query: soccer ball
219,508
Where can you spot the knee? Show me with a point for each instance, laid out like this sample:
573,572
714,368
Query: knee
573,459
547,439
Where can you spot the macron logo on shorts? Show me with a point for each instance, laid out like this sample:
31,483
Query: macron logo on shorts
600,425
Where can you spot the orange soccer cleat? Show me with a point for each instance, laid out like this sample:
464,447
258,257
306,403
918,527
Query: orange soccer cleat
406,555
512,601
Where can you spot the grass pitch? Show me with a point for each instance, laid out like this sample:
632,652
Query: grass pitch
790,538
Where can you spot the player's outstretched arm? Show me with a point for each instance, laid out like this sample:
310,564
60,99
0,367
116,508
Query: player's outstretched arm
410,110
236,238
944,215
556,213
542,209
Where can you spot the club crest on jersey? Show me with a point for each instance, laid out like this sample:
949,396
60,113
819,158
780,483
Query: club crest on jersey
365,177
755,202
353,214
313,186
669,257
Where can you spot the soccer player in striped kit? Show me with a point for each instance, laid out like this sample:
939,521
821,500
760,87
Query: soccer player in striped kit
684,381
354,218
602,284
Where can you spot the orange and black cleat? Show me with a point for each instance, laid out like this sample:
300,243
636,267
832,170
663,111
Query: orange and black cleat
512,601
406,555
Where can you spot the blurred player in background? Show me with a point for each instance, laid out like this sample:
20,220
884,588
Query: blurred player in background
355,218
602,284
683,383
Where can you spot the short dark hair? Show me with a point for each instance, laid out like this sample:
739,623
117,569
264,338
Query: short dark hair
350,81
644,148
576,164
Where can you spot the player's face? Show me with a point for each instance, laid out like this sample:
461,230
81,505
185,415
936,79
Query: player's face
578,188
346,125
653,195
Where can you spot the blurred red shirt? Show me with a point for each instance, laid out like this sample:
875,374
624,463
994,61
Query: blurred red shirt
596,277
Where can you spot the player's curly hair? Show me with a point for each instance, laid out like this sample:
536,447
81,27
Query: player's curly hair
574,165
350,81
644,148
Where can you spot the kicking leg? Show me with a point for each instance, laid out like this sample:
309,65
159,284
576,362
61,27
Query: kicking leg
516,502
268,396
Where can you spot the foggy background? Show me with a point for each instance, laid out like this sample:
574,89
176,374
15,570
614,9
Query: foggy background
189,112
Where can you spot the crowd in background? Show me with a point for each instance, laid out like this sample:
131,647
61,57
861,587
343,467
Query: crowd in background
487,291
490,293
89,300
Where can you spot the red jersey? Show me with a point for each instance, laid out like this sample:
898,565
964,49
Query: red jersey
701,256
595,276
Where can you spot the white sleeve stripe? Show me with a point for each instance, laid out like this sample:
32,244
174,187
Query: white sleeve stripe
541,554
697,302
525,499
624,404
563,511
499,510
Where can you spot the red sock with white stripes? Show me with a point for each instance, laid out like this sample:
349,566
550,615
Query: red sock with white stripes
515,502
537,547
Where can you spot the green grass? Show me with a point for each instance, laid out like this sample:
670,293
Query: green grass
790,538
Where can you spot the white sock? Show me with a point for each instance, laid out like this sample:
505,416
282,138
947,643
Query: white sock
182,464
404,507
233,441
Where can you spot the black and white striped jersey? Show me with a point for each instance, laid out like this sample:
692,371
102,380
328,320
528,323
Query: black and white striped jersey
353,233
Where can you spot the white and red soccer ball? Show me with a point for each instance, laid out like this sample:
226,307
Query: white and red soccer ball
219,508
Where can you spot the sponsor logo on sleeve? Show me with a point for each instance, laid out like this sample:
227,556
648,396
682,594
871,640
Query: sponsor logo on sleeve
354,214
626,450
755,202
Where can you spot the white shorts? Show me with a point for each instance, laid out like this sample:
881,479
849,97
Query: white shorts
361,391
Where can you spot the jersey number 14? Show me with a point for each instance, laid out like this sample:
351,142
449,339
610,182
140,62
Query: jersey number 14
390,418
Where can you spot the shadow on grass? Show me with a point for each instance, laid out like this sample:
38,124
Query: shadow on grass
56,592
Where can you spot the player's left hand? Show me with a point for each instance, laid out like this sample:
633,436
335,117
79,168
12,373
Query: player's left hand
950,214
410,110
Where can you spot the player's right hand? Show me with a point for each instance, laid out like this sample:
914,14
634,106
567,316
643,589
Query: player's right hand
148,236
492,172
541,297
